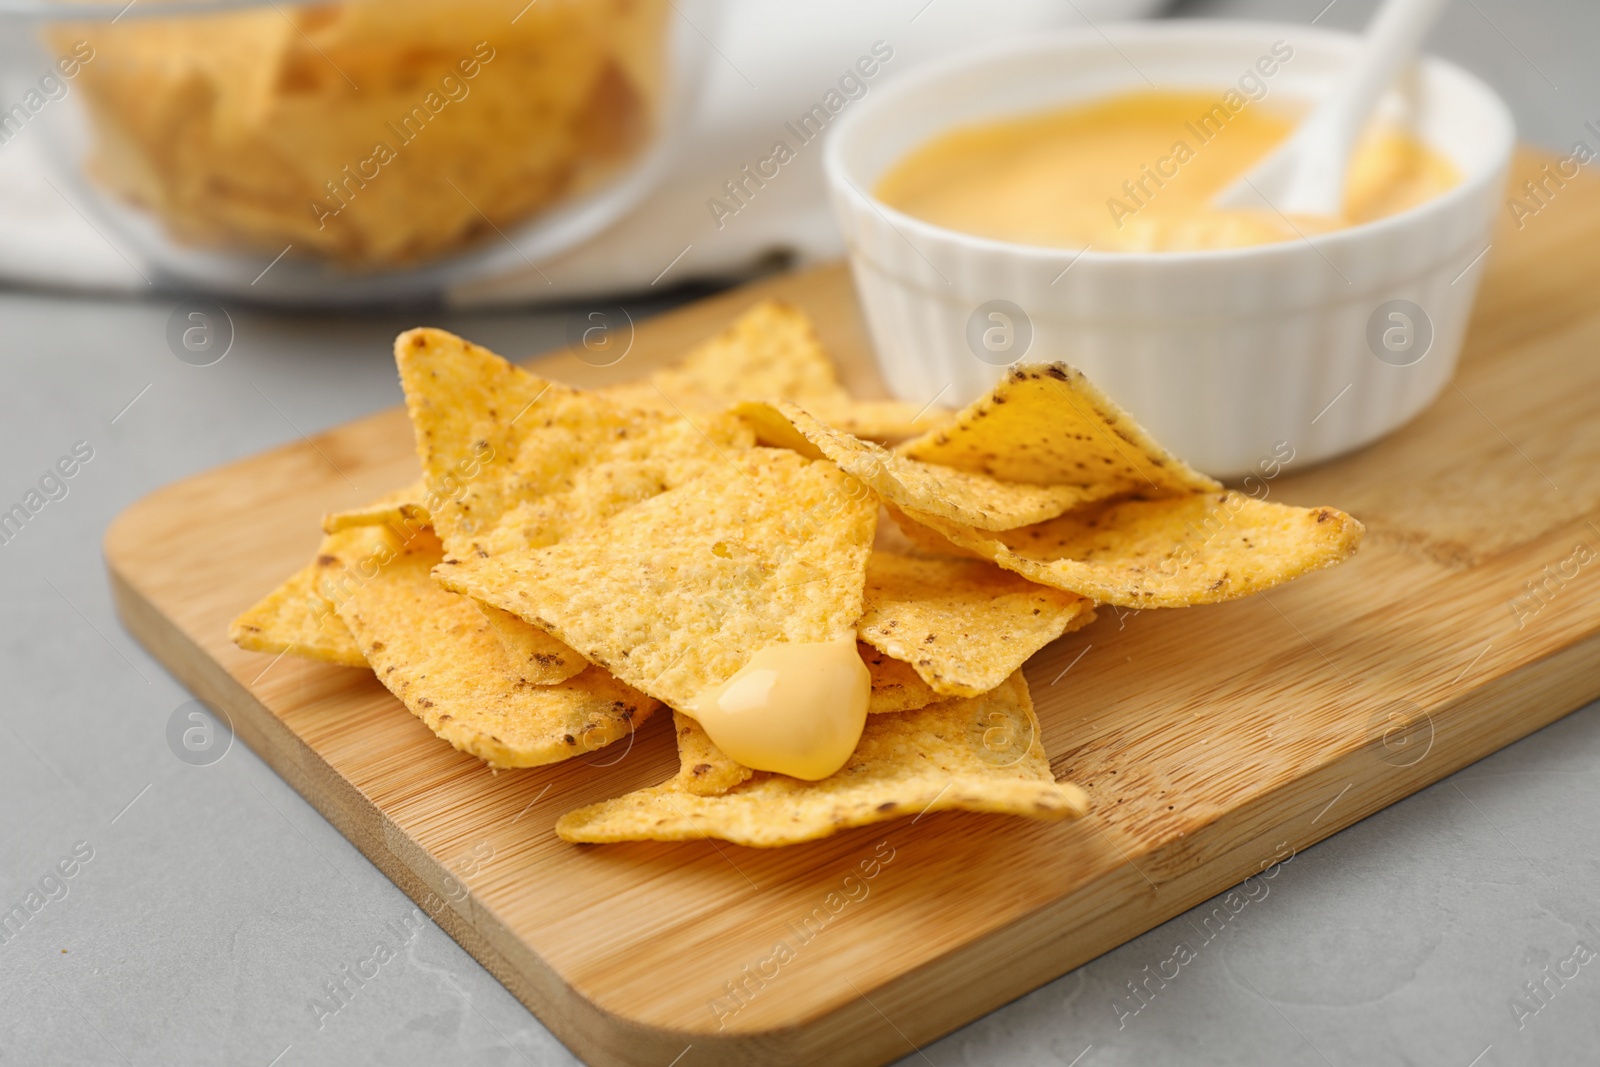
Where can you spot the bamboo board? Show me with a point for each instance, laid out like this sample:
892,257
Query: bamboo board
1211,740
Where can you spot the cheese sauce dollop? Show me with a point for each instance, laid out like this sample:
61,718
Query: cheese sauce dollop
1136,173
796,709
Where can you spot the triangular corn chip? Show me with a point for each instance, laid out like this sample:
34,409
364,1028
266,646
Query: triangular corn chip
902,537
512,461
1172,540
404,508
1197,549
1046,424
297,619
676,594
435,651
963,625
771,352
707,771
703,768
972,499
516,461
879,420
895,686
540,658
970,754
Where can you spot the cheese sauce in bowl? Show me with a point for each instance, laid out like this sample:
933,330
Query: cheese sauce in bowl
1136,172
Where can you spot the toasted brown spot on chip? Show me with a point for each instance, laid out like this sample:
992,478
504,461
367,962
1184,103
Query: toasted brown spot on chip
704,769
543,659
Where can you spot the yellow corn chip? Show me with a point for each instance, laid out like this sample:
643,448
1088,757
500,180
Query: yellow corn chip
435,651
543,660
918,540
895,686
879,420
297,619
972,499
704,769
514,461
1197,549
775,428
971,754
540,658
404,509
963,625
771,352
511,460
230,128
903,537
676,594
1046,424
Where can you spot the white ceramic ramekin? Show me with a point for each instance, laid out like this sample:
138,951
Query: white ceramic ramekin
1231,357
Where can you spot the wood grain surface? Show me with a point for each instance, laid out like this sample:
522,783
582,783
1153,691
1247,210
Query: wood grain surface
1212,741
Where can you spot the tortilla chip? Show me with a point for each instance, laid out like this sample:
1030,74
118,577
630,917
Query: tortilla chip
963,625
704,769
540,658
1197,549
771,352
543,659
404,509
895,686
1046,424
435,651
887,421
676,594
229,128
905,537
969,754
296,618
972,499
775,428
515,462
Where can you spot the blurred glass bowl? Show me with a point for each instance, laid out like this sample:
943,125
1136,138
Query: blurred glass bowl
361,150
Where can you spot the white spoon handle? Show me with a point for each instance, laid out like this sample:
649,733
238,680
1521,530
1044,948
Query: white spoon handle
1306,174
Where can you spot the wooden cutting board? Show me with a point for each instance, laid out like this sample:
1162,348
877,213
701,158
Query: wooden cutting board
1212,741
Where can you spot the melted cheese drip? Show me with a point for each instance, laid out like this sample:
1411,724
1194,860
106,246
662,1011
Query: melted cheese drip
796,709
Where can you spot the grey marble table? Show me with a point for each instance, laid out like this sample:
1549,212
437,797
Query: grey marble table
207,905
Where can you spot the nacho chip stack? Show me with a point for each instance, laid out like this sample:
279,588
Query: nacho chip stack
371,133
573,560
